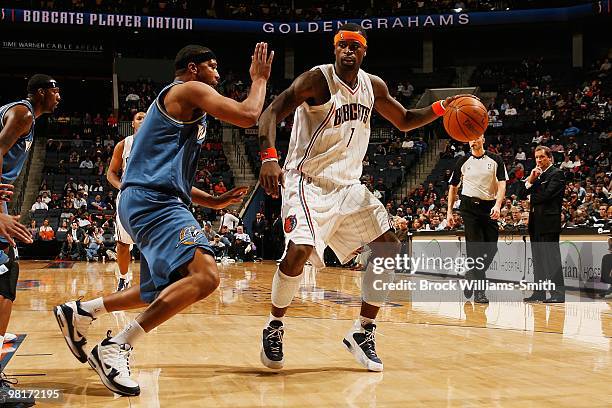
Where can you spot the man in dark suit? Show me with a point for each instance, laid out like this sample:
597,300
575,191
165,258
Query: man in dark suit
545,185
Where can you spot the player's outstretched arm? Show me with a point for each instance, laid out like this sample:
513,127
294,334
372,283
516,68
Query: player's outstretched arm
402,118
303,88
245,113
112,175
234,196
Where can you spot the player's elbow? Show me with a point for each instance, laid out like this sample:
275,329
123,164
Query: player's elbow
248,119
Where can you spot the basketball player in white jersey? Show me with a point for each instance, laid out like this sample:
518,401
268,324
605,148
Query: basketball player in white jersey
117,164
324,202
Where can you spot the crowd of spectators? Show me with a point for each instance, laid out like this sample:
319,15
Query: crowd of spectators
283,10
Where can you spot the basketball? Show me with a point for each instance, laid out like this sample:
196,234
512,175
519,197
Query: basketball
465,119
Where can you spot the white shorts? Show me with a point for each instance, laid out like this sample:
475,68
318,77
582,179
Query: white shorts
319,213
121,234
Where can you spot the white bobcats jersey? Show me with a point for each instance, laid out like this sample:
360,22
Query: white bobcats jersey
329,141
127,149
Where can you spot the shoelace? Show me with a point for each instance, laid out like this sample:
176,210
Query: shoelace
122,361
276,338
5,381
369,341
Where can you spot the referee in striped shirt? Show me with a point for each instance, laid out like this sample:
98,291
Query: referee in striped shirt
483,177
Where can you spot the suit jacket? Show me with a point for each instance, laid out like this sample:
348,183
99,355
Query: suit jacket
545,202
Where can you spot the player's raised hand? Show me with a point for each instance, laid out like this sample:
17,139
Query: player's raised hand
11,227
6,192
234,196
270,176
261,62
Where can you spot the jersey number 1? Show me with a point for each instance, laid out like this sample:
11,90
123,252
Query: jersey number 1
350,138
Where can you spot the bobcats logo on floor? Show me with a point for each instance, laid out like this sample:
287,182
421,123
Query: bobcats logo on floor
189,236
290,223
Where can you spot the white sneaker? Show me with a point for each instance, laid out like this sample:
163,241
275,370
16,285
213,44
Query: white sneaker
112,363
74,323
9,337
361,342
112,255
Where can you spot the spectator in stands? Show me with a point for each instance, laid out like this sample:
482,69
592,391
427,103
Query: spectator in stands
520,155
71,250
242,250
39,205
45,198
70,186
259,229
63,227
229,220
571,130
77,233
46,233
510,111
240,234
93,241
84,219
82,186
218,246
109,141
79,201
74,158
208,232
220,188
227,237
86,163
97,204
76,142
33,230
54,202
96,187
402,230
380,150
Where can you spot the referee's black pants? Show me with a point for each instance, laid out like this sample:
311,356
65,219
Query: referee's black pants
481,234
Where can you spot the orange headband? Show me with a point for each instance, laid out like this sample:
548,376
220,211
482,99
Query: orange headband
350,35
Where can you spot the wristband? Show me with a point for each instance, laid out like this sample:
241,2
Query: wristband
438,108
270,159
269,153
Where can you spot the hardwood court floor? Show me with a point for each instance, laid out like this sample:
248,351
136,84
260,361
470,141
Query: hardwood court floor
435,354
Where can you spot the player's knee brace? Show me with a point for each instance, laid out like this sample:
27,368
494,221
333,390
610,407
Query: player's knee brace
374,287
284,288
9,274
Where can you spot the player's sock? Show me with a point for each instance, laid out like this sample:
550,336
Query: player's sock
130,334
284,288
365,321
272,317
94,307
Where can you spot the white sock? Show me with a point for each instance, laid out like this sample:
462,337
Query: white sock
272,317
130,333
365,320
284,288
94,307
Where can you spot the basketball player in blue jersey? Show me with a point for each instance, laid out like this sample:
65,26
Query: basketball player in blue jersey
177,266
324,203
121,153
17,121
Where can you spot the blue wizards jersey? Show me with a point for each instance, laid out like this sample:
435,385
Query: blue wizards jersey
15,158
165,154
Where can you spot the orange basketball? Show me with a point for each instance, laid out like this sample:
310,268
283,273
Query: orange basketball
465,119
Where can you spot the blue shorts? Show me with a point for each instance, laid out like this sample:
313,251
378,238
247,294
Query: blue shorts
166,233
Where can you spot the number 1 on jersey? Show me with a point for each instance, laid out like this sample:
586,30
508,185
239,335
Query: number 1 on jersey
352,132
